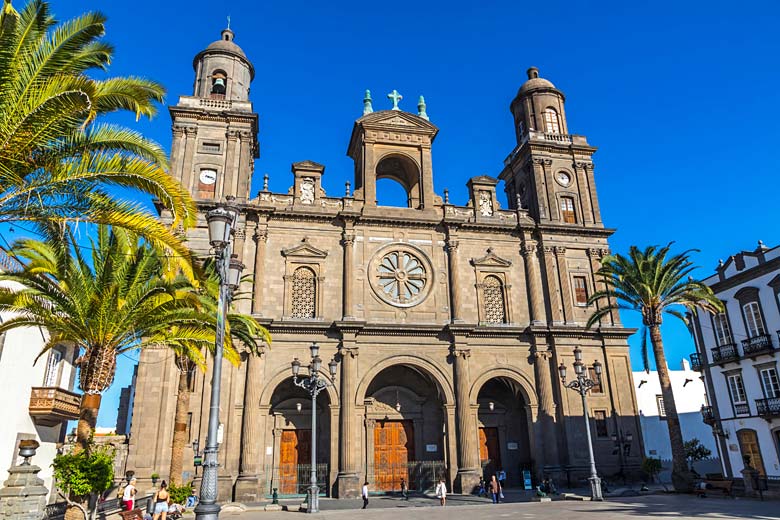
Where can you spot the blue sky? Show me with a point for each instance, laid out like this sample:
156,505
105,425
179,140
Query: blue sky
680,97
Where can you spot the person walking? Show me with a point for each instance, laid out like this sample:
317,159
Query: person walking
128,495
404,489
502,478
364,494
482,488
441,492
160,502
495,489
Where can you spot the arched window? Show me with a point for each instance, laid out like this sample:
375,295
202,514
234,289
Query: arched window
218,84
551,122
567,210
304,294
493,300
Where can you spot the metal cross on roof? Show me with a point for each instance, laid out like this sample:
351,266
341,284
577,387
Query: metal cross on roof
396,97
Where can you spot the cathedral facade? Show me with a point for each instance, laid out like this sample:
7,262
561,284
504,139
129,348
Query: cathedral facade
447,321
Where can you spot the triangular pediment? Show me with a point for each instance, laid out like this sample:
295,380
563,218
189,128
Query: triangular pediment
491,260
397,119
305,249
308,165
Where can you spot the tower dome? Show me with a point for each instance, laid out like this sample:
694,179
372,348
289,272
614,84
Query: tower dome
535,83
222,70
538,107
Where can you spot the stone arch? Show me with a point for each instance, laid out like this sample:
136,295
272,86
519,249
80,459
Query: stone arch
285,373
434,371
526,385
403,169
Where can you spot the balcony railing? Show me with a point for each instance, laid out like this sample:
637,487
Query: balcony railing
707,415
50,406
769,407
725,353
696,363
757,345
742,409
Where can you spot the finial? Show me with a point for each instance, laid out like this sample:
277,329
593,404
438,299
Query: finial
421,108
446,196
367,107
533,73
720,262
228,20
265,182
347,185
396,97
761,244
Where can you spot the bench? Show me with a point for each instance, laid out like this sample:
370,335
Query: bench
724,485
133,514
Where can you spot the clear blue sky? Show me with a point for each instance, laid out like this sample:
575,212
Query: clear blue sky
680,97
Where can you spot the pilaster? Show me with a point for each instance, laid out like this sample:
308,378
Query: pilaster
348,482
348,241
454,265
563,278
468,452
261,237
533,277
553,291
247,486
546,413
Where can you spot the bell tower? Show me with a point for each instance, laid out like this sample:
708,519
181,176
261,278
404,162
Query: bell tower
215,130
550,171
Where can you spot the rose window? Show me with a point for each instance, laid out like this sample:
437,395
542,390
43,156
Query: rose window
401,277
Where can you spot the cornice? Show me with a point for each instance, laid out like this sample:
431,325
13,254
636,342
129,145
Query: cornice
746,276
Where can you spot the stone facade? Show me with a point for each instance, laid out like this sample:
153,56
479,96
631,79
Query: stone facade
447,321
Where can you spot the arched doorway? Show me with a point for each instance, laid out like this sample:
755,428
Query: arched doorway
291,425
502,420
405,432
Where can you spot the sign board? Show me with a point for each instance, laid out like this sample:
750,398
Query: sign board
431,448
526,479
511,445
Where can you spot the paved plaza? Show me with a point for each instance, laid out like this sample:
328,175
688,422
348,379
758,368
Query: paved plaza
660,506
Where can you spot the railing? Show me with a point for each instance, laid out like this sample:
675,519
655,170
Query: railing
547,136
742,409
51,405
708,415
757,345
223,104
725,353
420,476
295,479
696,363
769,407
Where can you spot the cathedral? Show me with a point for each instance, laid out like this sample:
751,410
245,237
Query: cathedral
447,321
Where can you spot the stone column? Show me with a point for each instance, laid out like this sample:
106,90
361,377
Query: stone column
348,481
468,453
534,281
582,181
563,277
546,414
556,316
261,237
348,241
452,256
247,486
595,255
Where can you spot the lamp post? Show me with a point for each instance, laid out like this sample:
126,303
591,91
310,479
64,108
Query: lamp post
314,384
221,223
582,383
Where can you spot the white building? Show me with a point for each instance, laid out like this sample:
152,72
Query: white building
738,351
689,396
36,400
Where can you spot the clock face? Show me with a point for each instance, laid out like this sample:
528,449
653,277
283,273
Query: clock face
208,176
563,178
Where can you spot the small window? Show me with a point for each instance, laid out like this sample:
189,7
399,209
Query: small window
567,210
580,290
53,369
722,330
211,147
551,123
770,383
659,400
753,319
593,376
600,420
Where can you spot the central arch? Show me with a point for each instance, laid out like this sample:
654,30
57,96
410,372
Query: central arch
405,171
433,371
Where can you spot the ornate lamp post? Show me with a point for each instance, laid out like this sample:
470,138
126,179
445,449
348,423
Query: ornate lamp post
582,384
314,384
221,222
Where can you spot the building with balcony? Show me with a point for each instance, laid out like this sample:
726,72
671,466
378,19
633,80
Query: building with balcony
737,352
689,396
37,398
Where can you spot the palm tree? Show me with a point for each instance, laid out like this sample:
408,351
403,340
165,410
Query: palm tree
57,161
239,327
652,282
118,299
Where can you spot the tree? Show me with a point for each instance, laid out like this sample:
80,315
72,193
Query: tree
653,283
84,474
57,160
124,296
239,327
695,451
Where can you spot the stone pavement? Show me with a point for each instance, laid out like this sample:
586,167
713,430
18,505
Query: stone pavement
680,507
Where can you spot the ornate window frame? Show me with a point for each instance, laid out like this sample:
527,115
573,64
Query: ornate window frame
492,265
745,296
308,256
575,200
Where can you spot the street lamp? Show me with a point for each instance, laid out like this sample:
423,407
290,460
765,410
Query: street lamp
314,384
221,224
582,383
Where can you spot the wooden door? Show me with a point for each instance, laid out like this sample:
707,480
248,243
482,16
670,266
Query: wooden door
489,452
393,450
748,444
295,450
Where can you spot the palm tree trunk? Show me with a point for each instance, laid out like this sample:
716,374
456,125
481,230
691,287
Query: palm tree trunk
88,413
681,478
180,427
